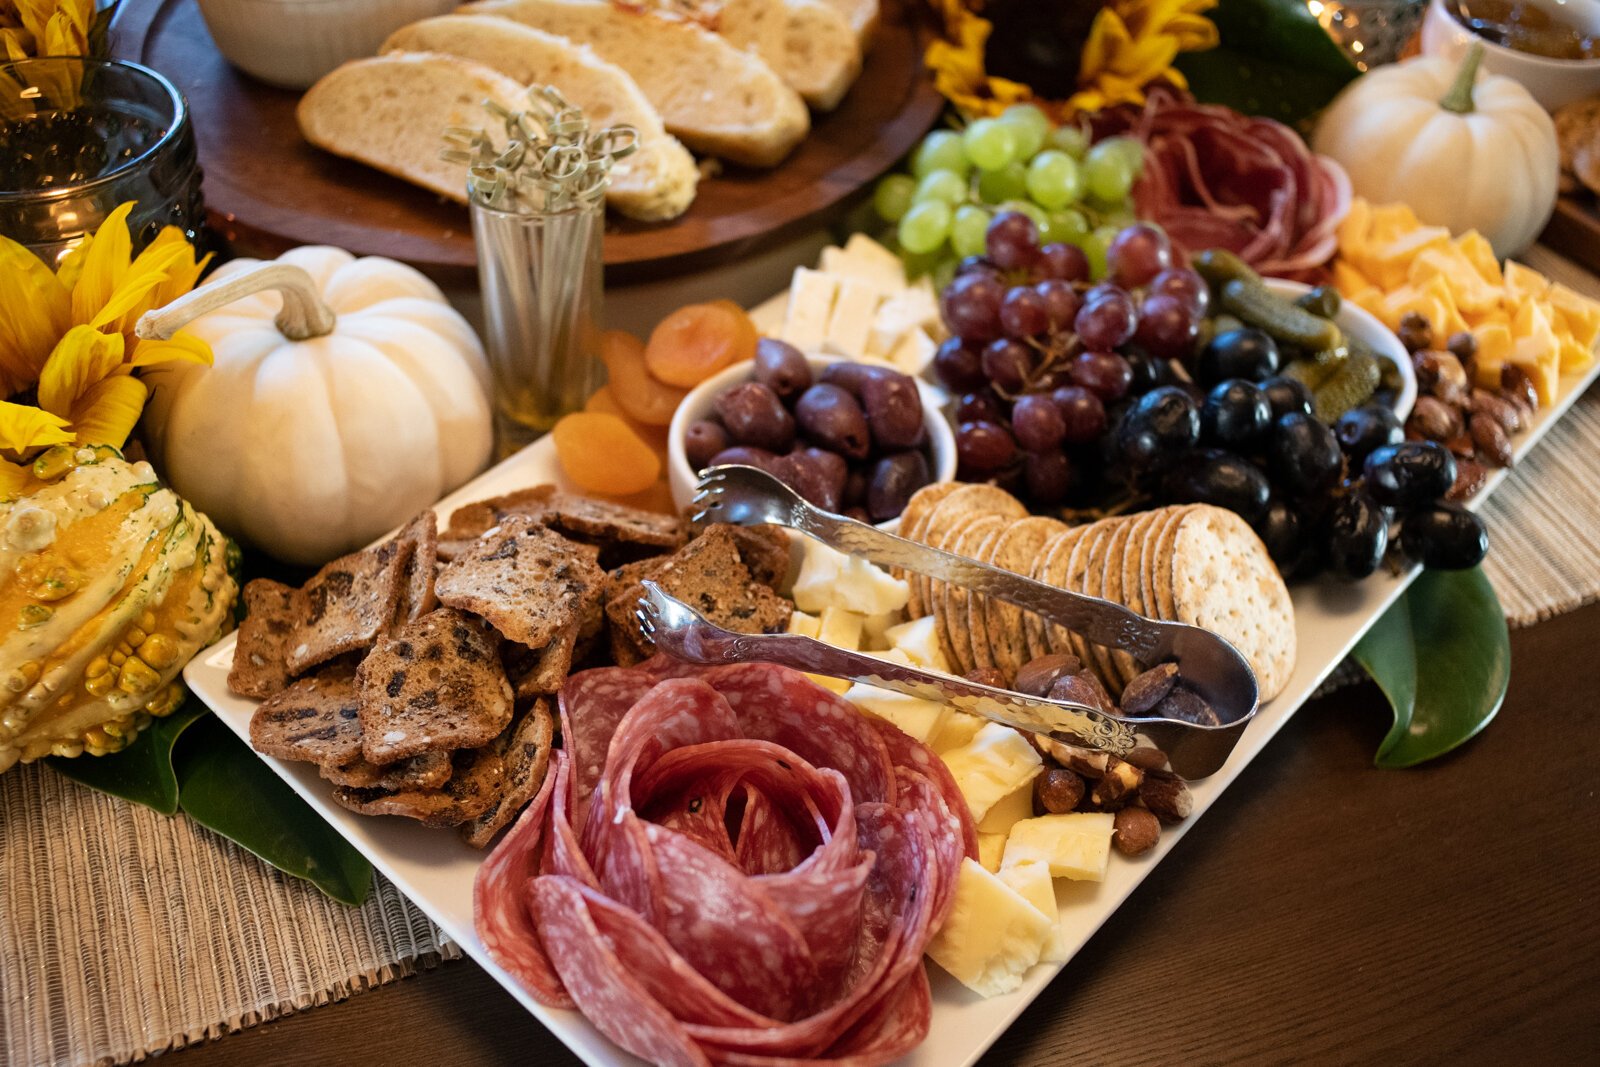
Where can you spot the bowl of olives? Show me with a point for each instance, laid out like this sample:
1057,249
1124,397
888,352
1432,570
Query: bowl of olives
852,438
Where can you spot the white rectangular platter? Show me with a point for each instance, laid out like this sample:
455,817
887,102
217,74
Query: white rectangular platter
435,869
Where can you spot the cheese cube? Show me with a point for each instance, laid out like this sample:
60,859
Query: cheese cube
1008,811
991,848
1076,845
875,629
1031,879
833,579
917,717
811,297
992,935
840,628
997,761
865,260
913,353
959,729
851,322
836,686
914,308
804,625
919,639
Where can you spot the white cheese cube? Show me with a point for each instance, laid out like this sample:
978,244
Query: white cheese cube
836,686
1008,811
991,850
919,718
851,321
913,353
959,729
1031,879
992,935
833,579
840,628
919,639
915,308
865,260
997,761
804,625
875,630
811,297
1076,845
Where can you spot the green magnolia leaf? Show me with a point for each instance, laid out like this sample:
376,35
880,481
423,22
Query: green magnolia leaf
1274,59
1459,664
226,787
142,772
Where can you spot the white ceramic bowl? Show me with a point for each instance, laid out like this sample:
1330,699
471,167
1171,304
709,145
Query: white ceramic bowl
1359,323
699,404
292,43
1552,82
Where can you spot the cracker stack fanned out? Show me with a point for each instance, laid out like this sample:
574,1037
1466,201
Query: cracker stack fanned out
1194,564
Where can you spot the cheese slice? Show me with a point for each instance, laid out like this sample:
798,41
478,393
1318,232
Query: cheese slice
997,761
851,322
833,579
1031,879
959,729
913,353
1008,811
805,625
1076,845
840,628
914,716
811,297
992,936
865,260
991,849
919,639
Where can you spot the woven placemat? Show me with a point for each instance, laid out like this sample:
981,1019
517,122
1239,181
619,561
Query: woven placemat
124,933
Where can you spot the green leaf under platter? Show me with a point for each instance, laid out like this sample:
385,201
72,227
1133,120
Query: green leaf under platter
142,772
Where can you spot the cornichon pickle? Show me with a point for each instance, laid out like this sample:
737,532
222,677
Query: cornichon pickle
1253,302
1309,373
1219,266
1349,386
1323,301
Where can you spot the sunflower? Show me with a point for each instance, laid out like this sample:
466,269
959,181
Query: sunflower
1129,45
67,347
46,28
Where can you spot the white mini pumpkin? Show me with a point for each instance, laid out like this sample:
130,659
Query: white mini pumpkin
1464,152
346,396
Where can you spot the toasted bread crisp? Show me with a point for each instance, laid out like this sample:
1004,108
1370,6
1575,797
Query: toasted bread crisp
709,576
471,791
437,686
525,753
530,582
349,603
471,521
605,522
427,771
316,719
416,595
764,550
261,650
536,672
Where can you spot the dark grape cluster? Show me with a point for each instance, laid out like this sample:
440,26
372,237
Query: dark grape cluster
1072,394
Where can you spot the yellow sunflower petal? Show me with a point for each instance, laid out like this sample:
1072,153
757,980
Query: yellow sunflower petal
133,295
1108,35
15,480
18,43
108,411
84,356
103,265
23,426
182,273
35,310
183,346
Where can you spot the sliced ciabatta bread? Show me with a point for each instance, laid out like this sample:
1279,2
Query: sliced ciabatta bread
809,43
655,182
861,14
713,96
390,112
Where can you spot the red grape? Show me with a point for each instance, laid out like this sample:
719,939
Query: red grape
1138,253
1063,262
1048,476
1061,302
1105,374
1007,364
1023,312
976,265
979,406
958,366
1167,328
1012,240
1037,423
983,447
1187,285
1106,321
1083,416
971,306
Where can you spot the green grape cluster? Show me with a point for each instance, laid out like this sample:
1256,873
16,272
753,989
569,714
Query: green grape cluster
1019,161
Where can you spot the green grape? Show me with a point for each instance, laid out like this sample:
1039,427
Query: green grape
944,274
940,150
923,263
1107,173
893,196
1094,246
1070,226
944,185
925,226
968,230
1117,217
1030,125
1069,139
1054,180
1131,149
990,145
1008,183
1030,209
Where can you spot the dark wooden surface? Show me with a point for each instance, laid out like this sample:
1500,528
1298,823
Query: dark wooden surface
1321,912
269,190
1574,229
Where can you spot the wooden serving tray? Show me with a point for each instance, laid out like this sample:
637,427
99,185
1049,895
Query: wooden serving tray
1574,230
269,190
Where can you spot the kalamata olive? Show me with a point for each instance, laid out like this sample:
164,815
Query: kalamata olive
782,367
1286,395
855,488
893,409
894,478
753,415
1409,474
829,416
1040,673
1444,537
1358,535
747,456
703,439
1304,454
817,475
1221,478
853,377
1282,530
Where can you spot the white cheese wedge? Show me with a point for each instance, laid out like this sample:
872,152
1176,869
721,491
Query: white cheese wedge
919,718
919,639
1008,811
992,936
997,761
913,353
959,729
840,628
865,260
1031,879
991,850
833,579
913,308
804,625
811,297
1076,845
854,310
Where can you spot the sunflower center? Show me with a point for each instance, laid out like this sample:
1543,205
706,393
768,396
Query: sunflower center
1039,42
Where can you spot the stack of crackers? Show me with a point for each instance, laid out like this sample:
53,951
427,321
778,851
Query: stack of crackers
418,674
1194,564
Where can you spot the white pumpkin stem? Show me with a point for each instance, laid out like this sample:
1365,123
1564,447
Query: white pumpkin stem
1459,98
305,314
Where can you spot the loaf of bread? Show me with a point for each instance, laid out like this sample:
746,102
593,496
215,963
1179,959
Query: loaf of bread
808,43
862,16
655,182
713,96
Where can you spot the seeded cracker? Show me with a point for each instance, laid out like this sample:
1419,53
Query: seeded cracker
315,719
708,575
1015,550
430,770
261,650
416,596
437,686
349,603
766,553
1049,568
469,793
471,521
603,521
525,753
529,581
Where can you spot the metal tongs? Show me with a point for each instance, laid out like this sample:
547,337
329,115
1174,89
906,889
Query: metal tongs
1207,663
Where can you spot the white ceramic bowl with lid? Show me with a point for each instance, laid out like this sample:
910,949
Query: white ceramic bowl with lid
292,43
1552,82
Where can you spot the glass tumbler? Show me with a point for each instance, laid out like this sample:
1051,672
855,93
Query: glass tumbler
540,275
80,136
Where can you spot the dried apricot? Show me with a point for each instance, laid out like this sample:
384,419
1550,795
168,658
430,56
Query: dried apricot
657,498
694,342
604,401
641,397
602,454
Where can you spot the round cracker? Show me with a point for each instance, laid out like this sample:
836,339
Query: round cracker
952,630
913,524
1158,558
1063,639
1017,549
1094,571
1054,636
1034,628
1116,660
964,499
964,605
1132,575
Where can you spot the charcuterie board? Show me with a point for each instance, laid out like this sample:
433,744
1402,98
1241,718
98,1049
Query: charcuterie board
268,190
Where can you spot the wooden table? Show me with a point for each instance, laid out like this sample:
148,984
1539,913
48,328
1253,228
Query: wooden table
1322,911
